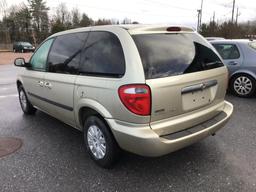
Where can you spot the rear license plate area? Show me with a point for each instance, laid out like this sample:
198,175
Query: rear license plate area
196,99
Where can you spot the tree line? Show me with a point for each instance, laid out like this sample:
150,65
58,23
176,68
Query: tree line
31,22
229,30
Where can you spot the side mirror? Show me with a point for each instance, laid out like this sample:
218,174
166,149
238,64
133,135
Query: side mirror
20,62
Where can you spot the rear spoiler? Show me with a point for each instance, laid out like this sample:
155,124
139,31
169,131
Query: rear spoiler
160,29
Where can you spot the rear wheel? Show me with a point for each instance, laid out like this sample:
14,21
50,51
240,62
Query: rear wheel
26,106
243,85
100,143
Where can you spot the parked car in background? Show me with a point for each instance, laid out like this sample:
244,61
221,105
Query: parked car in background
23,47
214,38
150,90
240,58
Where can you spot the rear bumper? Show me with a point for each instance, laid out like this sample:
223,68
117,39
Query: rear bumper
142,140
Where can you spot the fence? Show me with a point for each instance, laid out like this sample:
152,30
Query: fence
7,47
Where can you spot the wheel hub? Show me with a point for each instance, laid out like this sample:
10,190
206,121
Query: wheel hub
23,99
96,142
243,85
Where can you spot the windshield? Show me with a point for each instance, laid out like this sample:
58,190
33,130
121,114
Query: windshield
171,54
26,44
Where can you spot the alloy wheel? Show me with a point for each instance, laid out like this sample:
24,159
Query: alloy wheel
23,100
243,85
96,142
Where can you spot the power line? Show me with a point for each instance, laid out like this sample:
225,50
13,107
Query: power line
169,5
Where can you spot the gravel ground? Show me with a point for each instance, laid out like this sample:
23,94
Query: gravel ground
52,157
9,57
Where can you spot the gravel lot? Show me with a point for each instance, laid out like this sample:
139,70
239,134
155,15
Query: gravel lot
9,57
52,157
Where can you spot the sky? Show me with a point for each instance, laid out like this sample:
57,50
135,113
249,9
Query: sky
183,12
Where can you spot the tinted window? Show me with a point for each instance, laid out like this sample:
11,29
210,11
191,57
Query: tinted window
65,53
103,55
165,55
38,60
253,45
227,51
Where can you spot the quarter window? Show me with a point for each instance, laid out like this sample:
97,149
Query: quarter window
227,51
253,45
38,60
65,53
103,55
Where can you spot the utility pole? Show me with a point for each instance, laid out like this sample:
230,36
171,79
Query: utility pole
198,19
237,15
199,16
201,12
233,11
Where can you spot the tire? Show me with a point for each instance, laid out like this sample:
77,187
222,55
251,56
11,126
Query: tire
99,142
243,85
25,105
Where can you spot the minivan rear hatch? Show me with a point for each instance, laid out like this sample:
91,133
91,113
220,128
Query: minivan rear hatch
186,76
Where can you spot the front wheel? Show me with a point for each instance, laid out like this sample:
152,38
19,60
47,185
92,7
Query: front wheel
243,85
100,143
26,106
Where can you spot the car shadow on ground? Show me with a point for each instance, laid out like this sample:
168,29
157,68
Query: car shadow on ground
57,152
195,165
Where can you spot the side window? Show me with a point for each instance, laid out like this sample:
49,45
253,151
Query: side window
38,60
253,45
227,51
65,53
103,55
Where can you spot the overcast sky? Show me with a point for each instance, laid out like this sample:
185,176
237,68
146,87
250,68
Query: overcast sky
157,11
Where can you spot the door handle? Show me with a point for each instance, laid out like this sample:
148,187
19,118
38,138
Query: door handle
232,63
48,85
40,83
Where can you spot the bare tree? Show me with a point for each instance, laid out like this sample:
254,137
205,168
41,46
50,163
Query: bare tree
76,17
5,36
63,14
3,8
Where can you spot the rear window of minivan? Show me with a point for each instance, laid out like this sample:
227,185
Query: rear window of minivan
169,54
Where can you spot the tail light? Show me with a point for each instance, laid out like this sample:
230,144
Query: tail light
136,98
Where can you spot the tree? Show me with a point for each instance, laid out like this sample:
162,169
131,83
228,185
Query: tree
39,13
126,21
75,14
5,36
18,23
3,8
103,22
32,23
227,30
85,21
57,26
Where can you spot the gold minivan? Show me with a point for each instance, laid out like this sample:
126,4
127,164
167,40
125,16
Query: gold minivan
146,89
